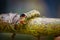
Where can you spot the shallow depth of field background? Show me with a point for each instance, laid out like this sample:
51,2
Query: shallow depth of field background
48,8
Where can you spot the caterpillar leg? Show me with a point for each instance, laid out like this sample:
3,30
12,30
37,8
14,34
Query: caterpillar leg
13,36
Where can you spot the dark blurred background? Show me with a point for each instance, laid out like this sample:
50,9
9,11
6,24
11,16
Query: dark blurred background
48,8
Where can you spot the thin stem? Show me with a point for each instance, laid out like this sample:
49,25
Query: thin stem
13,36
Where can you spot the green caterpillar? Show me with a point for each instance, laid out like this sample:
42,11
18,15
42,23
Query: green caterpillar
35,26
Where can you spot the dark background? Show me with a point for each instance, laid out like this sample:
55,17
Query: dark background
53,6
